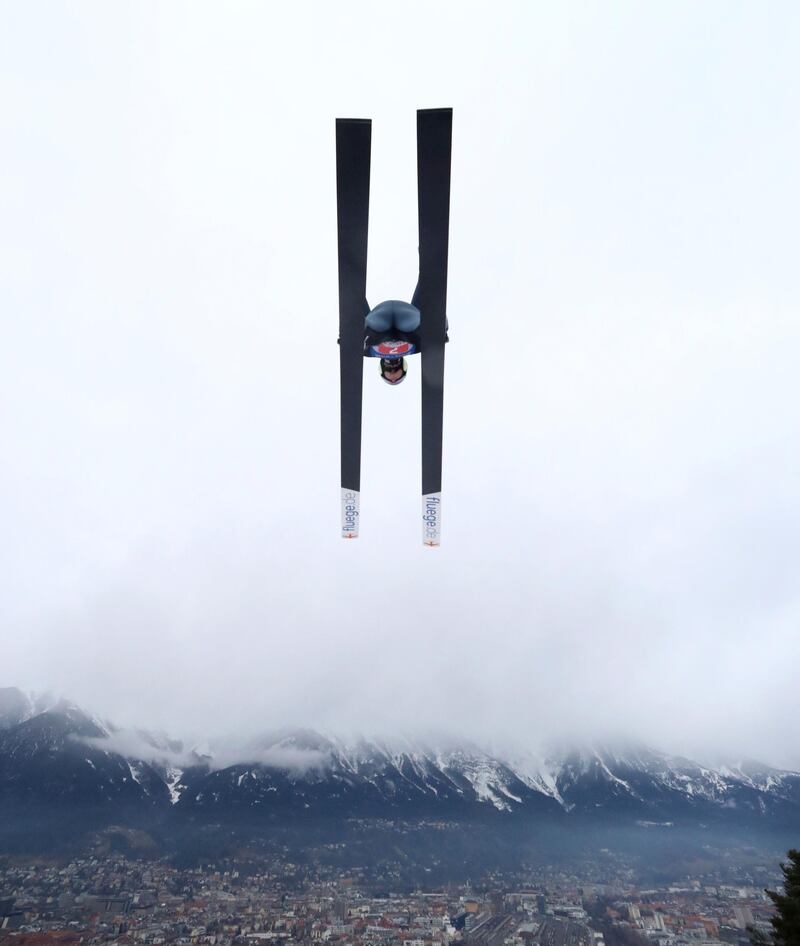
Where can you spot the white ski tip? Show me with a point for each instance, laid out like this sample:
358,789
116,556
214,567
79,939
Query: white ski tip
432,520
350,503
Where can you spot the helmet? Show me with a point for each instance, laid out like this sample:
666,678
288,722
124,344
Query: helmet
392,364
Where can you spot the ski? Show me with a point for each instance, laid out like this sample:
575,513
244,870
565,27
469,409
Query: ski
353,141
434,136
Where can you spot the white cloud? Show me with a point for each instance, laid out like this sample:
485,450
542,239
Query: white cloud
137,745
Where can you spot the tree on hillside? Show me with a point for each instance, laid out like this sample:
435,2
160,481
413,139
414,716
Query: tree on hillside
786,922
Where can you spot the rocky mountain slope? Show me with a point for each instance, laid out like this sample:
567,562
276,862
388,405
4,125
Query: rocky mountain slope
52,754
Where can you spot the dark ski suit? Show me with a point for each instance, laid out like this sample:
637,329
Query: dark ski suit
395,320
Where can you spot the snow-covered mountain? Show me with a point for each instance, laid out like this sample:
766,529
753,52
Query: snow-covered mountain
643,782
16,706
52,753
49,755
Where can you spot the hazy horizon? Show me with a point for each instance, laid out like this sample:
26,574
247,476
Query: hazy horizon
259,741
620,502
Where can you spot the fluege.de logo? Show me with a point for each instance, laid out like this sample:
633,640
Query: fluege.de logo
349,513
432,518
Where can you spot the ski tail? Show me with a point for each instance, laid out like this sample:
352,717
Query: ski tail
434,141
353,145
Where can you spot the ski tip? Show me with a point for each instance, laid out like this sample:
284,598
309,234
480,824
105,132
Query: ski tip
350,510
432,520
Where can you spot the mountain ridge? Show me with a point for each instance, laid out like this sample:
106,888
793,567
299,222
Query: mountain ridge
53,753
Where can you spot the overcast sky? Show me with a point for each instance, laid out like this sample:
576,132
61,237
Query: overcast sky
621,514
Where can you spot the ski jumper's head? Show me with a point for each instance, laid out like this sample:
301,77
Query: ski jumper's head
393,370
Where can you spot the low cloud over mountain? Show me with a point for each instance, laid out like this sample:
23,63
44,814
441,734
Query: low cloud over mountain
53,753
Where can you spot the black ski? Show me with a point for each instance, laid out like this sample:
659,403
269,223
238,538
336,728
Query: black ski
353,139
434,134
